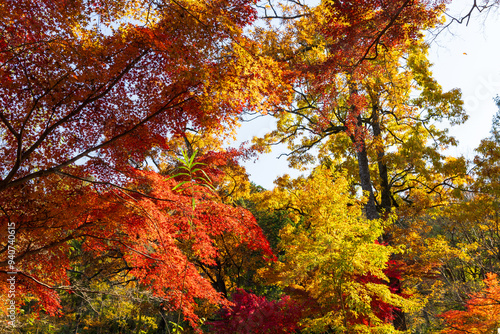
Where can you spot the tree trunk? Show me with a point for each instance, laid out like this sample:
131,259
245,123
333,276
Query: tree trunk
358,140
399,321
366,183
385,194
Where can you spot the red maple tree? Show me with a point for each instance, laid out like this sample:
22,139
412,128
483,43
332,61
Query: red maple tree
88,89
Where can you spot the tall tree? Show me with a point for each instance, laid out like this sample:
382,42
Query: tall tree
366,100
482,313
471,227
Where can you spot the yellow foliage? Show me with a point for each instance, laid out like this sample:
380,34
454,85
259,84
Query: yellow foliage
328,250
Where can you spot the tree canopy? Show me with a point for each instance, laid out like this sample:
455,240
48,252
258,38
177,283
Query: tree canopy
123,209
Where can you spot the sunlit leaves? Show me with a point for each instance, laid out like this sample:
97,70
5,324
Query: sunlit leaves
117,87
331,255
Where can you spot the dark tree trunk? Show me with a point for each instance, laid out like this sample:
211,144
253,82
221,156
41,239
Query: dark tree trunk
399,321
220,285
371,211
385,194
358,139
366,184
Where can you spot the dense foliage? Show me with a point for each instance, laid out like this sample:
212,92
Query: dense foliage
124,210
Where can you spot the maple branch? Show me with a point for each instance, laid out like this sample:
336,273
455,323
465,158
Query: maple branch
61,287
286,17
22,156
91,98
27,251
9,126
468,16
106,183
298,113
73,288
231,258
45,94
394,136
146,214
377,39
137,251
123,244
400,175
282,17
333,129
5,184
30,89
443,184
302,148
12,49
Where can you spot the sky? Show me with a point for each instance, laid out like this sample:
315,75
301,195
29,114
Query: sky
467,57
464,56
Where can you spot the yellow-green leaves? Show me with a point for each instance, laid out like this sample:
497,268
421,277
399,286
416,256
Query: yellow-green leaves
331,254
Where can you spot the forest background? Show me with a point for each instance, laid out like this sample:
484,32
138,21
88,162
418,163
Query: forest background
124,210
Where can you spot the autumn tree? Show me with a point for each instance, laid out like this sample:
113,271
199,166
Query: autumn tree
256,314
390,142
365,102
88,90
98,97
78,87
470,227
332,262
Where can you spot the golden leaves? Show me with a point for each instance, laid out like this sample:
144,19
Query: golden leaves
329,250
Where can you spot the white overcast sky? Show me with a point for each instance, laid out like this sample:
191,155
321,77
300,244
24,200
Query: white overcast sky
466,57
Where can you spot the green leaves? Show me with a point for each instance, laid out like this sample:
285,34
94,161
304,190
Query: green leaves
192,171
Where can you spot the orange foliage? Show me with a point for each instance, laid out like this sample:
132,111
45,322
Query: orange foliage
154,229
482,313
88,89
